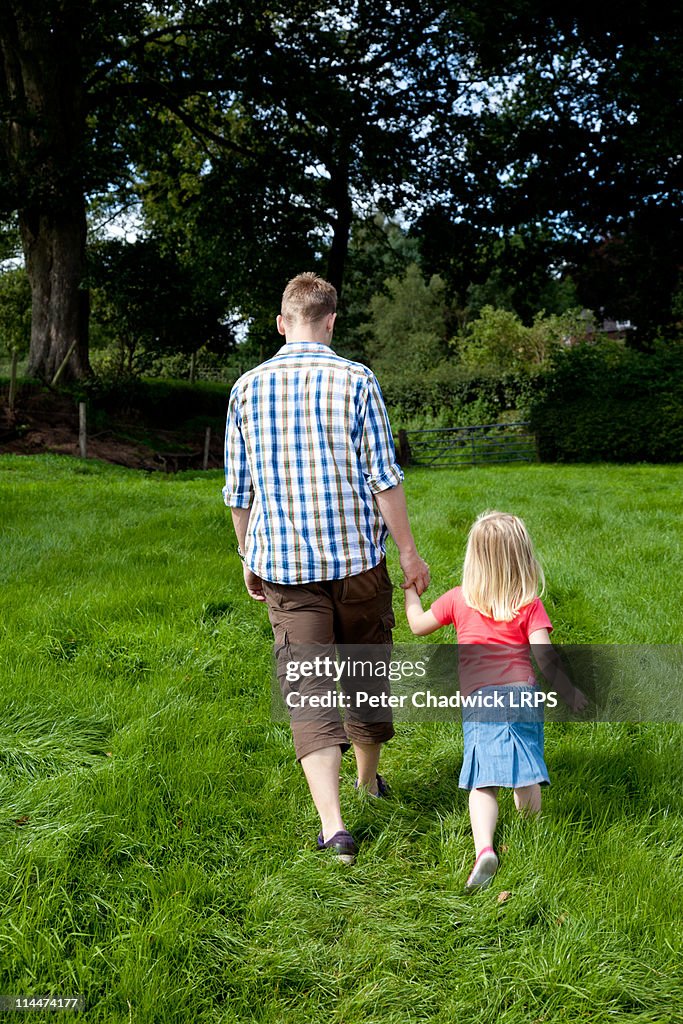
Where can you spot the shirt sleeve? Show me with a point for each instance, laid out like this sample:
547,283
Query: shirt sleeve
377,453
238,490
538,617
443,609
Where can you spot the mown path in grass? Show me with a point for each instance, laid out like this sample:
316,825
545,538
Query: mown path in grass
157,840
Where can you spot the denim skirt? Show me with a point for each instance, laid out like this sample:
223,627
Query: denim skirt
504,748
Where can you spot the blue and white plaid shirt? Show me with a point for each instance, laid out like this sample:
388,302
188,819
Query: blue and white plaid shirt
307,444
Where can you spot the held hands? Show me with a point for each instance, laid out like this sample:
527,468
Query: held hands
415,571
254,584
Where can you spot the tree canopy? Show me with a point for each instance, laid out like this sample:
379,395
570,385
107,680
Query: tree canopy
533,152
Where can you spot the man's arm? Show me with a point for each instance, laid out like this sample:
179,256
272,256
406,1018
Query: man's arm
253,583
384,476
393,510
238,491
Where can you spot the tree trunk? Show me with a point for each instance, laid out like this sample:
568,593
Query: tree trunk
341,201
42,94
54,249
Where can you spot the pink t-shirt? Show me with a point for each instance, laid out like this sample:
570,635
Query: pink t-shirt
491,652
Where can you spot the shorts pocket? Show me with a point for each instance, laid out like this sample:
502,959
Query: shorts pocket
281,642
388,622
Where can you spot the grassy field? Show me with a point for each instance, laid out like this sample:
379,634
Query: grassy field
156,834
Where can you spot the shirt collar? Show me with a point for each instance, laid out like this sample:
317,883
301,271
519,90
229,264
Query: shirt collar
304,346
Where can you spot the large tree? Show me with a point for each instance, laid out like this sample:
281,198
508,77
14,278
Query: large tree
322,106
74,75
43,99
347,94
330,116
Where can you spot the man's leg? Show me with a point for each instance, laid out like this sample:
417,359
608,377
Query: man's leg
321,769
367,760
364,618
302,621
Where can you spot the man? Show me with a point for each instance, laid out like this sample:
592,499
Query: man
313,484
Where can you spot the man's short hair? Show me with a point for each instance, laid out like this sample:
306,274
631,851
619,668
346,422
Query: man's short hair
308,298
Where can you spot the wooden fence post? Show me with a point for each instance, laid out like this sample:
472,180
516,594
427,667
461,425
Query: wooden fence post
404,455
65,360
207,446
82,431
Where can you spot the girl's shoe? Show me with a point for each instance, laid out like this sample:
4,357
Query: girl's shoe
485,867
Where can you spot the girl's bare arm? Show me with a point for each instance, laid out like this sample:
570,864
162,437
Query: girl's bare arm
551,666
421,623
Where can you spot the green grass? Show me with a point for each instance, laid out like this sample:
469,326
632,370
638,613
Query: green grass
157,837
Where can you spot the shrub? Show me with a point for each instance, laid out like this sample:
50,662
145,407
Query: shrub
609,403
167,404
408,325
499,342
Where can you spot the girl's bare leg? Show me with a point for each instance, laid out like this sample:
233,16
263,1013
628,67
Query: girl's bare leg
528,799
483,816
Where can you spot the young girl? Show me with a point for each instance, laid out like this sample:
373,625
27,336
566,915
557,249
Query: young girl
498,609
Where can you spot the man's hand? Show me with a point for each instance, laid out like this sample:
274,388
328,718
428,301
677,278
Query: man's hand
254,584
415,570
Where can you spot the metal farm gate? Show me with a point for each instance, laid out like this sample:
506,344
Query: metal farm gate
467,446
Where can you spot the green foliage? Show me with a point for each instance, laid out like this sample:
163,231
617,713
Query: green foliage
499,342
150,302
379,250
450,395
407,328
15,310
578,153
605,402
490,374
250,137
10,239
518,271
264,177
155,403
634,273
224,212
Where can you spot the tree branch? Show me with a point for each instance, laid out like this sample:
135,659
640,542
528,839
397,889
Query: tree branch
157,35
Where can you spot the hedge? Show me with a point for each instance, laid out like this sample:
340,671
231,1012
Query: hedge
595,402
609,403
453,396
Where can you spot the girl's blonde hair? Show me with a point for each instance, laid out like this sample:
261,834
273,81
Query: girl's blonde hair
501,573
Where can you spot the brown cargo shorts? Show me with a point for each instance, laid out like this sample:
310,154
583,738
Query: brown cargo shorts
318,616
